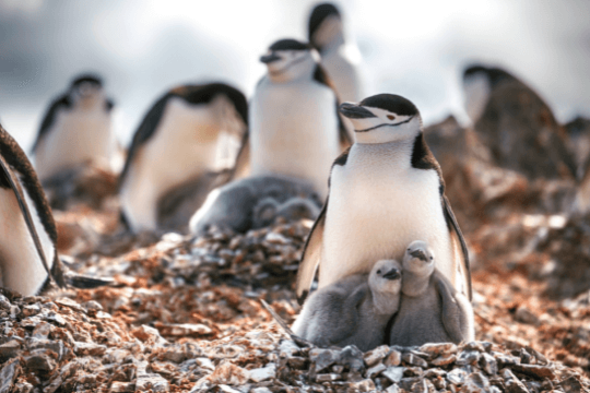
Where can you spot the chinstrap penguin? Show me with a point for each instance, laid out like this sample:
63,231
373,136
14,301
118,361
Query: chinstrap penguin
77,131
339,58
515,124
295,128
354,310
431,310
189,136
385,192
238,206
28,234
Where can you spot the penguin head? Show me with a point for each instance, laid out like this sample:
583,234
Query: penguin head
86,90
419,258
386,276
478,83
325,26
289,59
383,118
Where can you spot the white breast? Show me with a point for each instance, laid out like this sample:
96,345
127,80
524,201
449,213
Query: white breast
378,205
20,266
77,136
294,131
183,147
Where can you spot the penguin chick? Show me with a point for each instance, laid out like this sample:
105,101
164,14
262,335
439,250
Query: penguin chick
295,129
268,210
431,310
178,142
385,192
235,206
354,310
28,234
76,131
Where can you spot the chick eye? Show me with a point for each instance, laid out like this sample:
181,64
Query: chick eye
378,271
390,117
431,258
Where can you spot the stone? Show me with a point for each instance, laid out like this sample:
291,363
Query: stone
394,358
229,374
184,329
423,386
122,387
414,360
352,358
366,385
374,356
457,376
524,315
155,382
264,373
444,360
89,349
476,383
40,362
8,374
323,358
394,388
513,384
438,349
9,350
394,374
375,370
434,373
571,385
330,377
539,372
488,364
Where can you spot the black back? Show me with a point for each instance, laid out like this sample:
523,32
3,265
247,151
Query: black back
193,94
318,15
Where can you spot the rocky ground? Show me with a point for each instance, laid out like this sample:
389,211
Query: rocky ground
185,315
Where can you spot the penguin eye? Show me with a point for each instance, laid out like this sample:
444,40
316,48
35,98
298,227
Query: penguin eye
390,117
379,271
431,258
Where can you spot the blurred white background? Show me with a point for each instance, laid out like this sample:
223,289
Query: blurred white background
414,48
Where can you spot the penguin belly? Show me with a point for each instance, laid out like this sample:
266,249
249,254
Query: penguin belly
378,205
294,132
20,267
183,148
78,137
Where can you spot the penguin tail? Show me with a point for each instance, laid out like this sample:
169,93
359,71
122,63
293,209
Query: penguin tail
298,340
81,281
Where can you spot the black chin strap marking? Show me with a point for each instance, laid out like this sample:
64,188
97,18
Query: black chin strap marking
385,125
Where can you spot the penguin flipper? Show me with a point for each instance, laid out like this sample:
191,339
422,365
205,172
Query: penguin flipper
457,236
27,216
298,340
310,259
452,315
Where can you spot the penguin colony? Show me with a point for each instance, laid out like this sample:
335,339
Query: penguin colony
391,262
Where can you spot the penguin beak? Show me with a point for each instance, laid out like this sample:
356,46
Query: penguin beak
419,254
355,112
393,274
269,58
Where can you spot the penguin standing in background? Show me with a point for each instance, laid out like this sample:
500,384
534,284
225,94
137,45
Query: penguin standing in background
295,128
385,192
28,235
326,34
76,130
515,124
176,156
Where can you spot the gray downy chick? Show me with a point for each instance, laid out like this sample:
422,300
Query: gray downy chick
431,310
354,310
269,209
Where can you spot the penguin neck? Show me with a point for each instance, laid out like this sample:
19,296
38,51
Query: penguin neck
414,285
295,72
396,154
385,303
